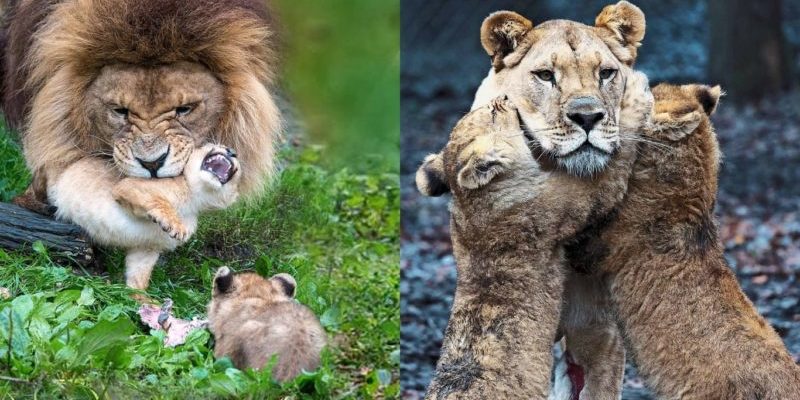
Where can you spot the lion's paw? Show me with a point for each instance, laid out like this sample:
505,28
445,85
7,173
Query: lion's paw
171,225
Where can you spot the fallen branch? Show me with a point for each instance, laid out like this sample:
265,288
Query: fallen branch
20,228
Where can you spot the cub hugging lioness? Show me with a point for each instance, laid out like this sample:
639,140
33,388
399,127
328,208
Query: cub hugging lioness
509,220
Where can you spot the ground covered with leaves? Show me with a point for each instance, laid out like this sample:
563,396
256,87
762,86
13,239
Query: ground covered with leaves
67,333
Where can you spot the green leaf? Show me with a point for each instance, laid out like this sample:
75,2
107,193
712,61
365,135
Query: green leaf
104,335
38,248
87,296
384,377
330,318
111,312
23,305
69,314
199,373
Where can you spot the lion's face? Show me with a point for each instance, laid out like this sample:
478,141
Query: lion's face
153,117
567,80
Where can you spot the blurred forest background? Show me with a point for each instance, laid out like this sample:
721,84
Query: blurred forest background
751,48
342,68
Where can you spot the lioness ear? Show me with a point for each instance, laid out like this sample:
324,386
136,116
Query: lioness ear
481,169
708,97
502,33
626,24
430,176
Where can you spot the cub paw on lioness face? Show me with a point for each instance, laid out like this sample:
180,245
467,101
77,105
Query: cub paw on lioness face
567,79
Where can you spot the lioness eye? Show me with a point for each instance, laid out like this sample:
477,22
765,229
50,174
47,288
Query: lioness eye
545,75
183,110
120,111
607,73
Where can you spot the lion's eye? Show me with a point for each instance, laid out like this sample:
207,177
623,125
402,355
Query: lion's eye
183,110
120,111
545,75
607,73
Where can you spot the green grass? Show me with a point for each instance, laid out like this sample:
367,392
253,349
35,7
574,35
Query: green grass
66,334
342,68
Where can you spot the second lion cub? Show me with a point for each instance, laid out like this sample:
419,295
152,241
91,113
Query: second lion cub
149,215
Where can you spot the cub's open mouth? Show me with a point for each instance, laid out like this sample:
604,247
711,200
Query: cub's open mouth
221,165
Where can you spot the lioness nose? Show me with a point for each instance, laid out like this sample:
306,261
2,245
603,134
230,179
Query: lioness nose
586,121
153,166
585,111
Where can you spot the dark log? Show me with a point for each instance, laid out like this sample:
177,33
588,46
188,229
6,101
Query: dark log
20,228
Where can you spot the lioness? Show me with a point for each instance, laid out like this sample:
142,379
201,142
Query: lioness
145,216
687,324
508,221
253,318
567,79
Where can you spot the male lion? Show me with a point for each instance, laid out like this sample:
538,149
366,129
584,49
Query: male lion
567,80
509,221
141,83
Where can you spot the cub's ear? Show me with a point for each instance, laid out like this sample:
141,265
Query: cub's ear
223,280
481,169
285,283
626,24
502,33
708,97
430,176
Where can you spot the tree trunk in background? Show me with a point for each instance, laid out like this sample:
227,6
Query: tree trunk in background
747,52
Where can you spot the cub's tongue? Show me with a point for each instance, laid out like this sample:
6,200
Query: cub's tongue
219,165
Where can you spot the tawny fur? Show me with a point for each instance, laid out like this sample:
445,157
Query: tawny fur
508,221
688,325
254,319
55,51
143,216
575,53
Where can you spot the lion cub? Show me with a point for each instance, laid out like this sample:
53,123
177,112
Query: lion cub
253,318
508,221
149,215
687,324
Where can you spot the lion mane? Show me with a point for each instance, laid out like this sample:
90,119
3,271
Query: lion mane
53,50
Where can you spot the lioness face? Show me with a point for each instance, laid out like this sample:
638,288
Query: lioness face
568,89
567,80
153,117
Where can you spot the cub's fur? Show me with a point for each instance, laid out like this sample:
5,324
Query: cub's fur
508,221
254,319
145,216
686,322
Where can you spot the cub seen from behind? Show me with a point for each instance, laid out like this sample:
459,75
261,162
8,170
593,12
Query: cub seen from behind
254,318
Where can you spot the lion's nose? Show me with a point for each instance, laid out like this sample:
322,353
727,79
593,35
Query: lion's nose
155,165
586,111
586,121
